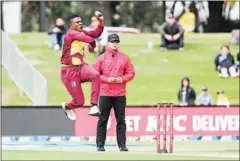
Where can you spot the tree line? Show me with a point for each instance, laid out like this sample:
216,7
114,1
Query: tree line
144,15
141,15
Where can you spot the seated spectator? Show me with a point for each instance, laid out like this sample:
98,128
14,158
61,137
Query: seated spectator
171,34
186,94
101,42
204,98
224,63
238,63
222,100
57,33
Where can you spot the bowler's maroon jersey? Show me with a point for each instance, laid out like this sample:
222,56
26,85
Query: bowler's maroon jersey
73,48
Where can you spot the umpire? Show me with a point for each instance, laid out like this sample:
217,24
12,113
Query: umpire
115,70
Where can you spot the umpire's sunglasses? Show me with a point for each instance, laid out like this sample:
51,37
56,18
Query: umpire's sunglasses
115,41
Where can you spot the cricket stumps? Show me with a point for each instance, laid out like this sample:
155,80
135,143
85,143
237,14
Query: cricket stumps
165,112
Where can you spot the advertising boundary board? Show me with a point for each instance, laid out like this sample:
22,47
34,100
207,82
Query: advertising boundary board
132,120
141,121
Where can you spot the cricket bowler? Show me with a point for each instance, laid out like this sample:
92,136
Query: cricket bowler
74,70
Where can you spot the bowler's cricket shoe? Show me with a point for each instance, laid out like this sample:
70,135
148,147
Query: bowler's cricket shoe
69,113
94,111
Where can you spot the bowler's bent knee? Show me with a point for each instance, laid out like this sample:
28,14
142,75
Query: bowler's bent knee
80,103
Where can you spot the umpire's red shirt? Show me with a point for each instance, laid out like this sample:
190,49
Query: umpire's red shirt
114,64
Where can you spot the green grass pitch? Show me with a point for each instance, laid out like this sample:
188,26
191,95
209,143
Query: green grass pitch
183,150
158,74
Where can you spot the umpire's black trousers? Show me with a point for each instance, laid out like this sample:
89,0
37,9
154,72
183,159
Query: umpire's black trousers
105,104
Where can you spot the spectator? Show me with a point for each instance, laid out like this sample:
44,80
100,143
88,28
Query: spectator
204,98
238,63
184,9
57,33
222,99
235,37
171,34
186,94
101,41
224,63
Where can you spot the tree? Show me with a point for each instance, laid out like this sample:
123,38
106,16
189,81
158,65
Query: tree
30,16
141,15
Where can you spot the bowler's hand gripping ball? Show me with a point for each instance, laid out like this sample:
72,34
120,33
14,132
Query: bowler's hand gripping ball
99,15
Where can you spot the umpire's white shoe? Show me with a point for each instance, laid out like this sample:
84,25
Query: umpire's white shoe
70,113
94,111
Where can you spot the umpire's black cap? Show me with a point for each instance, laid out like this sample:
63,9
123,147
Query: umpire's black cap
113,38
